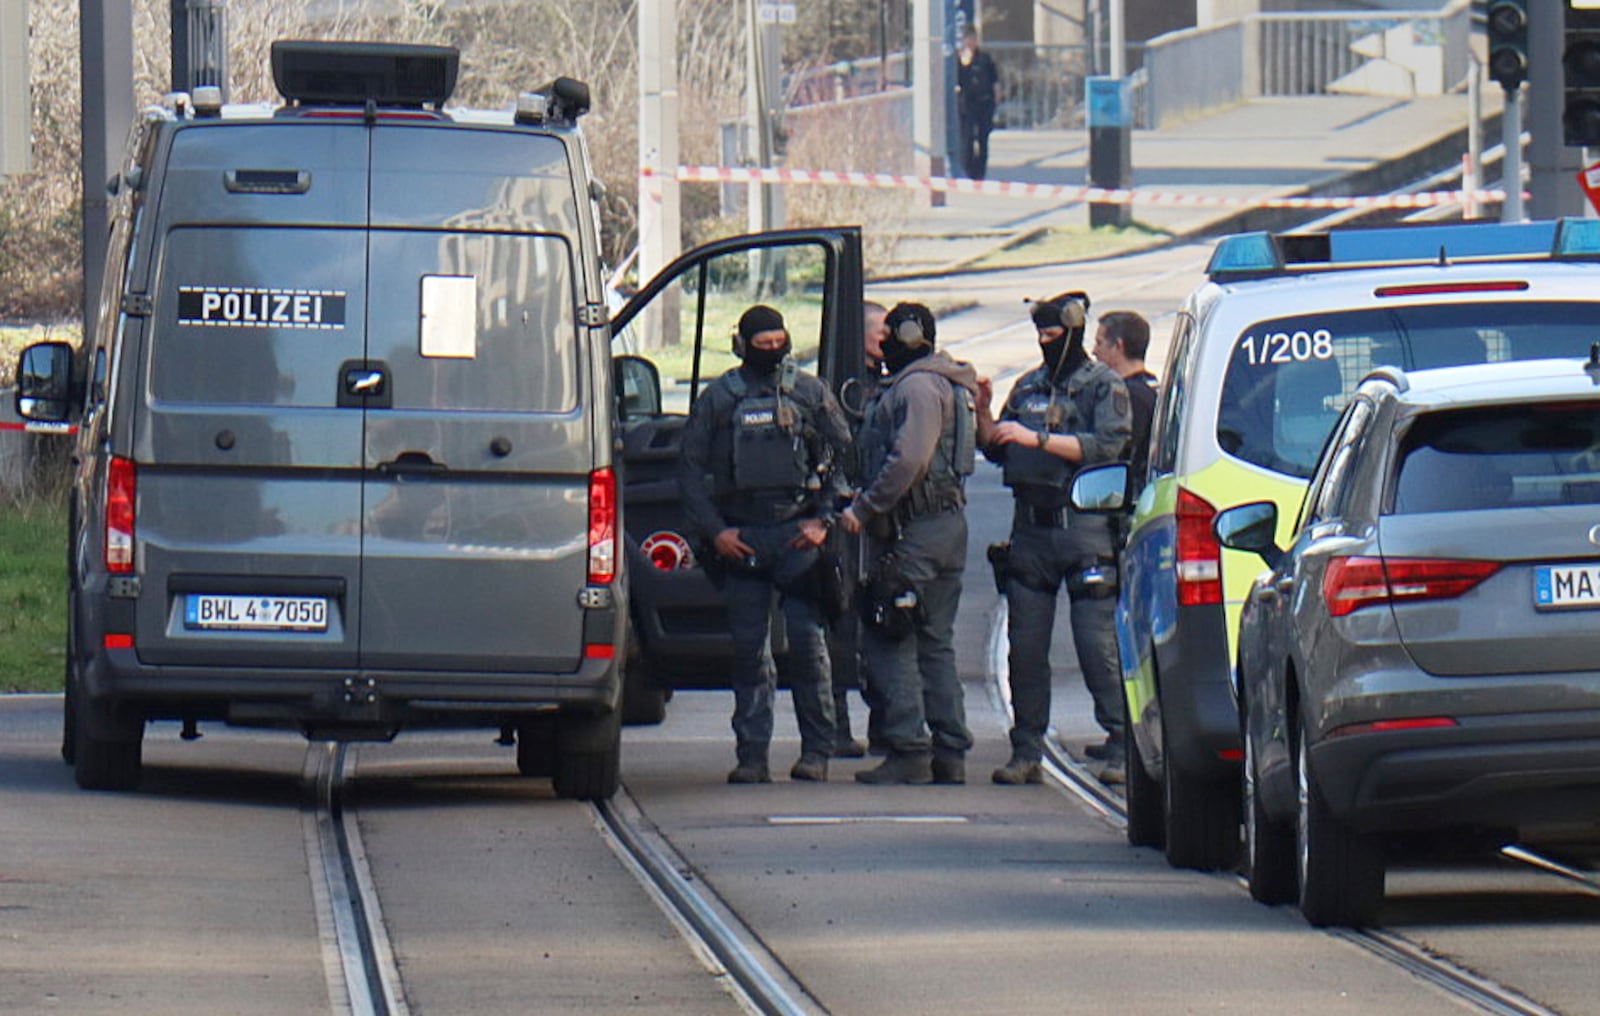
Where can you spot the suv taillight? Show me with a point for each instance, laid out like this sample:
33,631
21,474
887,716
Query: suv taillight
602,526
1199,553
1351,583
121,488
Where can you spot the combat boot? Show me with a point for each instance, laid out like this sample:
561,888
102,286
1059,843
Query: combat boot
750,772
900,767
1019,771
811,768
849,747
949,767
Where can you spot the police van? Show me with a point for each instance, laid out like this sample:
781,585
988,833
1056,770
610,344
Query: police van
1264,357
354,454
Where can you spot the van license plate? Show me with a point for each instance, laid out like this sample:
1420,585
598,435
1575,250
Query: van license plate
256,613
1559,587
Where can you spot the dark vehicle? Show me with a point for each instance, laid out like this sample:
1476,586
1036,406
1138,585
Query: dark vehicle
1425,654
354,454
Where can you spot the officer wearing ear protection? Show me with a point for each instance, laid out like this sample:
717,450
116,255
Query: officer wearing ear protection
1069,412
917,444
759,480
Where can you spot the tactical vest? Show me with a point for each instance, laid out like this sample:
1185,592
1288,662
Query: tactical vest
773,438
954,457
1062,408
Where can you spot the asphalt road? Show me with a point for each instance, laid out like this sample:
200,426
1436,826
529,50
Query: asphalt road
195,893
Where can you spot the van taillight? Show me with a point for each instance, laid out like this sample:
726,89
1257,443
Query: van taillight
1199,553
602,526
120,499
1351,583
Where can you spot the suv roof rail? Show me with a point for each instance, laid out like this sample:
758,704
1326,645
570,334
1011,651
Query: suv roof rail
1390,374
358,73
1263,255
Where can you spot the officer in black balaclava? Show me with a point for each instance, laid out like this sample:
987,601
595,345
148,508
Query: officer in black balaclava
1067,413
759,480
917,442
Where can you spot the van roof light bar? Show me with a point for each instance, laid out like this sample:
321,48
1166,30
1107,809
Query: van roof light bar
1261,255
357,73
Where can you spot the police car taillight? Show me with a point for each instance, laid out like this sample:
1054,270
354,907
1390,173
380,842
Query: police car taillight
602,526
121,491
1199,565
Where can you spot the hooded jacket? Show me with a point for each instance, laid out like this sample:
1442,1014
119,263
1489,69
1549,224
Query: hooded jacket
905,425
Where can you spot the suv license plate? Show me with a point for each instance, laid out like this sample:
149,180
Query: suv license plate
1559,587
256,613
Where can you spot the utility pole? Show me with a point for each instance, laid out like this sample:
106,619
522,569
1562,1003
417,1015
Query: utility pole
763,84
1553,167
16,104
105,49
199,45
928,101
660,215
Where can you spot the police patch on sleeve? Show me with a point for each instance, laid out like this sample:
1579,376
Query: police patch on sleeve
248,307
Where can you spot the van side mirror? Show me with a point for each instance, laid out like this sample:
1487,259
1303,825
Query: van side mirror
1252,527
1101,488
44,382
638,385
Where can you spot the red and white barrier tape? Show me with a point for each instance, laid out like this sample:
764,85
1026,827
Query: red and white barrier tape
1058,192
40,428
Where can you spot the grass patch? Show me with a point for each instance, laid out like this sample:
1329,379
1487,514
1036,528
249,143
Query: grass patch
33,583
1055,245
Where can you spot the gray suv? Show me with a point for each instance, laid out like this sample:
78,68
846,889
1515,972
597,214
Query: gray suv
1425,656
351,451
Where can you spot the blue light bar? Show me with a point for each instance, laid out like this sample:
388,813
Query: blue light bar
1245,254
1424,243
1577,238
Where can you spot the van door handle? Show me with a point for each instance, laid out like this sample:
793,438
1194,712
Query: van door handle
412,464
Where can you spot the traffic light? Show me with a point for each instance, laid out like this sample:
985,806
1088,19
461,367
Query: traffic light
1507,26
1580,69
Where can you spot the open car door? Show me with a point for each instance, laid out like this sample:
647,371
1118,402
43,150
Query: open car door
669,341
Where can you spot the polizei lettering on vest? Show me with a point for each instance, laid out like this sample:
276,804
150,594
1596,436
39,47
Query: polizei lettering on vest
243,307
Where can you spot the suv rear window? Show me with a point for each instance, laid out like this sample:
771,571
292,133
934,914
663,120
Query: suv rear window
1289,378
1500,457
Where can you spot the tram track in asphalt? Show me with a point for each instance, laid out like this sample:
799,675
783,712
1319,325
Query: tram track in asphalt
359,962
1078,781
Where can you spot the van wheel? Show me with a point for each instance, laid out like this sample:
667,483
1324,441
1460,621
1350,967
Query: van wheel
1202,817
1341,871
69,684
536,747
644,702
1143,798
1269,865
589,756
108,751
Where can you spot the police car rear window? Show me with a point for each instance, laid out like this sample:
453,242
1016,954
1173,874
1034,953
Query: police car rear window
1500,457
1289,378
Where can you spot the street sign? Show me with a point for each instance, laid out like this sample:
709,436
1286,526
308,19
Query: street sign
775,13
1589,180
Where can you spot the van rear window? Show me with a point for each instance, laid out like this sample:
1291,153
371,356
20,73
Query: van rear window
1500,457
1289,378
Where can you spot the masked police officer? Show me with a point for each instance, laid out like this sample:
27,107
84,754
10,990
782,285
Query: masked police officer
759,483
1067,413
917,443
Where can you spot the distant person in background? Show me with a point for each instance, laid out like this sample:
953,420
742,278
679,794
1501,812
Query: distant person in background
977,95
1120,343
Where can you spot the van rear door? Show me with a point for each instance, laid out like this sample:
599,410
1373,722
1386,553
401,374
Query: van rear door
479,443
247,469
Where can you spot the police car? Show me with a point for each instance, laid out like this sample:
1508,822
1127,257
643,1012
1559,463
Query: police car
1264,357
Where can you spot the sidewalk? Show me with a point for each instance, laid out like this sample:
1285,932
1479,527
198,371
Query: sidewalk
1276,147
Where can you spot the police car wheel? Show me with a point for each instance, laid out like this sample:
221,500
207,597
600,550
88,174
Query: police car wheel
588,756
644,702
1202,817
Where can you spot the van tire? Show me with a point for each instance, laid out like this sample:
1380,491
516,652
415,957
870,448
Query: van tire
536,747
108,750
644,701
1202,817
589,756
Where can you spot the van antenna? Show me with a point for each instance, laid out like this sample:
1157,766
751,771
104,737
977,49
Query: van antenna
1444,259
1592,368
